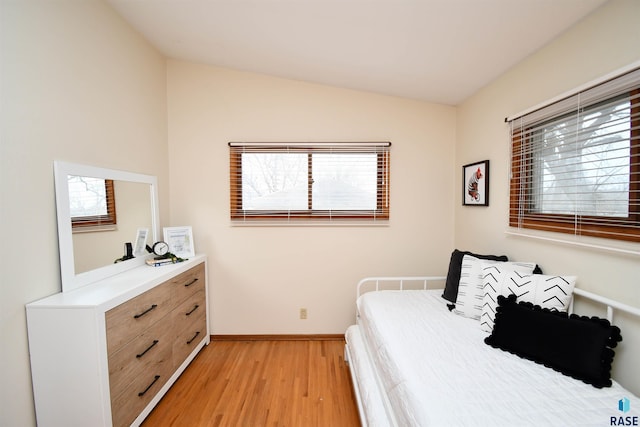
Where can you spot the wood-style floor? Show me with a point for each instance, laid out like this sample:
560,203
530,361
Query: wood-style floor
262,383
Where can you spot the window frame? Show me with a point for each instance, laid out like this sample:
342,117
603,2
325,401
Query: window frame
380,213
520,194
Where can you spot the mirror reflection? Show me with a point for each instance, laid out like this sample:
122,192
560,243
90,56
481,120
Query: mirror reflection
104,215
99,211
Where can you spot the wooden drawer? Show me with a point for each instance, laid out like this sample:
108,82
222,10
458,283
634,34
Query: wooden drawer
186,284
126,406
142,354
130,319
189,330
189,309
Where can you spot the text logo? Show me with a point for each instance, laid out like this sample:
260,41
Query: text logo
624,406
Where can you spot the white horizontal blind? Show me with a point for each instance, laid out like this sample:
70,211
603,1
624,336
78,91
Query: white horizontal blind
575,164
312,181
92,201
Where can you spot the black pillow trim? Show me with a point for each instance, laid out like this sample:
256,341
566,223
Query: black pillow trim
453,275
503,337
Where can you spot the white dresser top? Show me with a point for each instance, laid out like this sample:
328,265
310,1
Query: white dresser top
114,290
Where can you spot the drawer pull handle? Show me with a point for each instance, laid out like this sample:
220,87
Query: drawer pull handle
194,337
148,348
191,282
137,316
192,310
142,393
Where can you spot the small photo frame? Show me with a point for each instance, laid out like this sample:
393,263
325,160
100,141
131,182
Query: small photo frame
180,241
140,248
475,184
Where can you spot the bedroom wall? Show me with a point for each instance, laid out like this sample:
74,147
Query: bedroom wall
606,40
261,276
77,84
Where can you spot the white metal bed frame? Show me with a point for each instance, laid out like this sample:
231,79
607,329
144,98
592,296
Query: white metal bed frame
400,280
398,283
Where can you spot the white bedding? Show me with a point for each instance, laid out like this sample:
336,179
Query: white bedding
436,370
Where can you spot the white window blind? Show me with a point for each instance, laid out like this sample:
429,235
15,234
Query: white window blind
575,163
309,181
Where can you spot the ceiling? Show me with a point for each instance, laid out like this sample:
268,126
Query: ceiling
440,51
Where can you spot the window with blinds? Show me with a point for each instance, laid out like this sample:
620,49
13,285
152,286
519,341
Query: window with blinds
92,203
575,163
309,181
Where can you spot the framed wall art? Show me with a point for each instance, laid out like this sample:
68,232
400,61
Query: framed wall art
475,184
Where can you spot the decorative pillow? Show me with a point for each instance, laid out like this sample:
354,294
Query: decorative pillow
577,346
471,287
545,291
453,276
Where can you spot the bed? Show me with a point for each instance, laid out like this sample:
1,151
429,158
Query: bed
416,363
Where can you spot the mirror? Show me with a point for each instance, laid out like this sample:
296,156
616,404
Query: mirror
92,240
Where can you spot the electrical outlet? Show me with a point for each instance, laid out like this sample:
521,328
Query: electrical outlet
303,313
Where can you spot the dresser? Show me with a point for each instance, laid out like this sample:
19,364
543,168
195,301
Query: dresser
106,353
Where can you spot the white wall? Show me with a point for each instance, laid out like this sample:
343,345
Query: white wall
605,41
261,276
77,84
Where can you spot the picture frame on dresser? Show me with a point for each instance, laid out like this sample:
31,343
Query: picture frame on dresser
180,241
140,247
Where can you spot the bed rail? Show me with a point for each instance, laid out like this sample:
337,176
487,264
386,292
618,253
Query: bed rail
609,303
395,282
374,283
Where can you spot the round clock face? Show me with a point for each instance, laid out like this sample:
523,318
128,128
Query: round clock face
160,248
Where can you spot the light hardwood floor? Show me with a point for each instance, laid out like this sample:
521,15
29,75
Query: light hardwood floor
262,383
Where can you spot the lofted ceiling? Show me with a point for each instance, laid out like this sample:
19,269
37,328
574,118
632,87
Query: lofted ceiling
440,51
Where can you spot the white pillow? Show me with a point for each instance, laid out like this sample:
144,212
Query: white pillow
470,289
552,292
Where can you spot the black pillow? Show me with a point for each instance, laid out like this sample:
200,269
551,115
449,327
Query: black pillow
577,346
453,276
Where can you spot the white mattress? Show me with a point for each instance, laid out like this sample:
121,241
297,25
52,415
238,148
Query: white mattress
436,370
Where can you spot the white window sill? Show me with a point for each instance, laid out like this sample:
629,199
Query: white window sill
607,245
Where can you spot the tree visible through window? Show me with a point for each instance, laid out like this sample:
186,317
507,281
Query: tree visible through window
596,166
315,181
576,164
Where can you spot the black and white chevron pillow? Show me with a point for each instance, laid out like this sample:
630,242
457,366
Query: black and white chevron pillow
553,292
470,288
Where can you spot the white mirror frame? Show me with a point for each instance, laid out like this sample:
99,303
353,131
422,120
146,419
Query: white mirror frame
71,280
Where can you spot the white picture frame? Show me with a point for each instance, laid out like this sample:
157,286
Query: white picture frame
140,246
180,241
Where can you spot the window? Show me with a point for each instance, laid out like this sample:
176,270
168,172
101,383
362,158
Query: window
324,181
575,164
92,203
